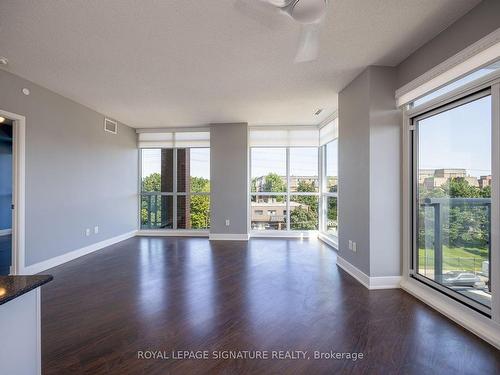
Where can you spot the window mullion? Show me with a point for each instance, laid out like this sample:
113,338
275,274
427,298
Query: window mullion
495,203
288,188
174,184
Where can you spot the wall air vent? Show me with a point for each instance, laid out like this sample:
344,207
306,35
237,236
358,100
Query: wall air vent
110,126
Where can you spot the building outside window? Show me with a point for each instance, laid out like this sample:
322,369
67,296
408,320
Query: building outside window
285,185
175,181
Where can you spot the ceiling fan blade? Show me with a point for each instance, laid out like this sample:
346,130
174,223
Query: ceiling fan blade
260,11
308,43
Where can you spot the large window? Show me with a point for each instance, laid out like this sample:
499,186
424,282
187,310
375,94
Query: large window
175,188
330,188
452,174
284,188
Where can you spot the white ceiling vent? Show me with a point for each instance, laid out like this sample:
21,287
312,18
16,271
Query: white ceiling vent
110,126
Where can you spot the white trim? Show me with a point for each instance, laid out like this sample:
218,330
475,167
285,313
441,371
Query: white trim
5,232
172,233
228,237
495,206
473,321
115,123
64,258
472,57
18,190
372,283
38,331
329,240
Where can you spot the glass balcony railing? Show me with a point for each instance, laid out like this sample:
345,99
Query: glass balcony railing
454,245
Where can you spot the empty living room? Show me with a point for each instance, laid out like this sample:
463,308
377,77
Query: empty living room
249,187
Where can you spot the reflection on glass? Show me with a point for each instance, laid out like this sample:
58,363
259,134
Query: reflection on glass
304,169
454,194
331,158
268,170
331,215
304,212
156,211
268,212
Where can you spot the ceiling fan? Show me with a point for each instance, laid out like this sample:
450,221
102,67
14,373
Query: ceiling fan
309,13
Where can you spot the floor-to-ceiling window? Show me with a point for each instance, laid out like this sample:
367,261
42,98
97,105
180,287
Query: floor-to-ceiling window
175,181
453,175
284,180
329,180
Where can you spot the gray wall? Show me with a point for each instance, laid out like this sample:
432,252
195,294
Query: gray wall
77,175
5,184
369,173
354,172
385,174
477,23
229,178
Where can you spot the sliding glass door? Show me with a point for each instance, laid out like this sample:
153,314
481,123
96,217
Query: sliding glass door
452,179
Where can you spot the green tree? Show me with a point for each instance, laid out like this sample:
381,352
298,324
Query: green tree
465,225
200,204
274,183
152,182
305,216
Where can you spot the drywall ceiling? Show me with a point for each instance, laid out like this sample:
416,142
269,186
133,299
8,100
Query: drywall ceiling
191,62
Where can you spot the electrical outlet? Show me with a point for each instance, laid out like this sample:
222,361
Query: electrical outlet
87,232
96,229
354,246
350,245
227,222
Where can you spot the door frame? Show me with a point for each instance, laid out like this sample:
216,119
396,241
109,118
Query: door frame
18,191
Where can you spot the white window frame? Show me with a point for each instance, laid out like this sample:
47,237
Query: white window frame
325,194
288,232
174,194
486,327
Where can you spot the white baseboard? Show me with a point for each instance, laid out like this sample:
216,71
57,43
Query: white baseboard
328,240
56,261
482,326
372,283
5,232
172,233
228,237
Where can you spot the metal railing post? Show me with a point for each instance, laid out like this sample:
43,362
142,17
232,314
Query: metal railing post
438,244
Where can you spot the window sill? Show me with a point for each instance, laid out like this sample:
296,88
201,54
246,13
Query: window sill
173,232
329,239
477,323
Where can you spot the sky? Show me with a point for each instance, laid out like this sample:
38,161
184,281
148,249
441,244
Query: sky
303,161
458,138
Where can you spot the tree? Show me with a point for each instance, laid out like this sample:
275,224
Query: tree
463,225
274,183
305,216
151,182
200,204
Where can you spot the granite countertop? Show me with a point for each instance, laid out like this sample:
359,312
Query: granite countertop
14,286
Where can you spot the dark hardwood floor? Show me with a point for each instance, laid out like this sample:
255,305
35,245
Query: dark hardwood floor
191,294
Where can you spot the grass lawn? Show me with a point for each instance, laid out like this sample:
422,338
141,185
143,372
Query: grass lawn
455,258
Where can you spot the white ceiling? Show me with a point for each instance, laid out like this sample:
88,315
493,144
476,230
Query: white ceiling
193,62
